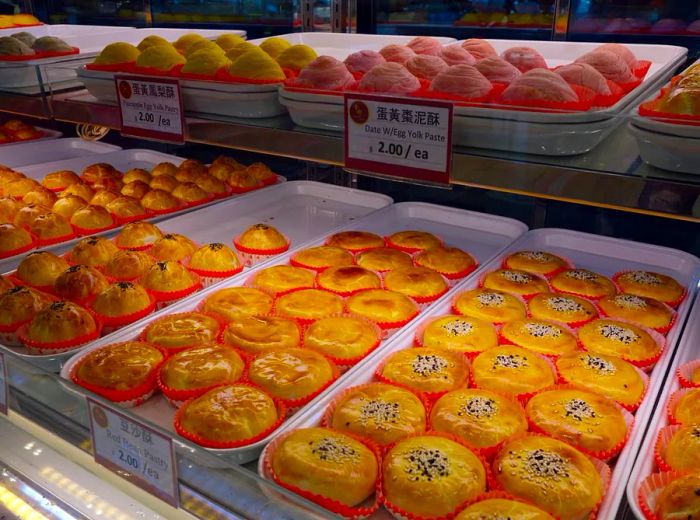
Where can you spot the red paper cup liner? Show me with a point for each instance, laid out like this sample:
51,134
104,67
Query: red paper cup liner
405,249
210,278
113,323
673,404
675,303
165,298
425,301
663,438
651,487
121,221
296,263
453,278
43,242
370,506
8,333
41,348
83,232
252,256
40,55
685,374
661,330
19,250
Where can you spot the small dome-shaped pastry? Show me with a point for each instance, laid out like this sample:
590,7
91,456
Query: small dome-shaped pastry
80,282
259,334
92,218
362,61
116,53
426,45
651,285
9,208
226,41
562,308
515,282
316,459
541,336
511,370
459,333
50,228
616,338
235,302
490,305
119,300
41,196
20,187
172,246
14,239
201,368
150,41
254,64
7,176
163,182
135,189
108,184
279,279
583,283
188,192
68,205
347,280
126,208
355,241
427,369
160,57
448,261
537,262
138,235
214,258
296,57
223,166
309,304
164,168
93,251
682,451
342,338
502,507
212,185
686,409
104,197
19,304
26,215
380,412
184,42
261,237
412,241
78,189
159,200
40,269
275,46
262,173
50,44
383,259
482,417
322,257
679,500
242,181
136,174
384,307
638,309
168,277
177,332
430,466
420,283
128,265
60,322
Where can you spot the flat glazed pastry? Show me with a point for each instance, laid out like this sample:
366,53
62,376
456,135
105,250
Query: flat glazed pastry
127,265
412,241
93,251
259,334
193,371
638,309
498,507
355,241
235,302
294,375
227,416
160,201
309,304
537,262
512,371
172,246
651,285
617,338
514,281
122,303
169,280
388,309
584,283
567,309
426,369
686,407
550,474
383,259
604,375
280,279
322,257
679,499
342,338
450,262
138,235
430,466
459,333
490,305
419,283
60,322
314,460
80,282
178,332
481,417
680,452
347,280
92,219
40,269
380,412
541,336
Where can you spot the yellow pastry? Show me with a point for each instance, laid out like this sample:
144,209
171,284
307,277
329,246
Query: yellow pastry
413,241
202,367
679,500
644,311
536,262
309,304
355,241
686,410
164,168
160,57
5,284
348,280
651,285
322,257
93,251
498,508
189,192
616,338
92,218
138,235
212,185
80,282
262,173
562,308
515,282
20,187
180,331
206,61
388,309
115,53
160,200
13,240
41,196
98,172
420,283
172,246
68,205
511,370
152,40
184,42
384,259
682,451
121,300
40,269
541,336
275,46
9,208
26,215
460,334
583,283
163,182
136,174
168,277
126,208
128,265
261,237
60,322
20,304
296,57
256,65
104,197
490,305
213,259
78,189
236,302
259,334
448,261
426,369
280,279
135,189
342,338
122,366
226,41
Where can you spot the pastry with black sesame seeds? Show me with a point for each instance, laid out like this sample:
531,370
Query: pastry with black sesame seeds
490,305
172,246
582,282
517,282
541,336
18,305
168,282
459,333
79,283
259,243
638,309
651,285
92,251
40,269
126,265
59,327
536,262
563,308
621,339
120,304
214,262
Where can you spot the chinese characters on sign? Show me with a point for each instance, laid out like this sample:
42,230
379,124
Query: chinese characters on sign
151,108
4,385
132,450
399,137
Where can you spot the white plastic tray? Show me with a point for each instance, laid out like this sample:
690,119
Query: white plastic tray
39,151
49,135
482,235
64,30
601,254
688,350
667,151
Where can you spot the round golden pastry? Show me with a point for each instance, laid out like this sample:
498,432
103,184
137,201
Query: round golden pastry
638,309
172,246
511,370
97,172
92,218
416,282
126,208
536,262
584,283
383,307
136,174
68,205
679,499
214,258
78,189
322,257
342,338
189,192
617,338
202,367
283,278
7,176
498,508
103,198
261,172
168,277
431,466
355,241
604,375
426,369
223,166
135,189
687,408
164,183
317,459
262,237
159,200
20,304
259,334
490,305
651,285
227,414
179,331
20,187
682,451
8,209
108,184
212,185
188,176
138,235
541,336
481,417
449,261
414,240
60,179
347,280
192,165
41,196
380,412
383,259
563,308
291,373
26,214
550,474
309,304
588,421
60,321
40,269
121,299
79,282
93,251
128,265
164,168
13,238
241,180
5,284
51,226
459,333
236,302
122,366
515,282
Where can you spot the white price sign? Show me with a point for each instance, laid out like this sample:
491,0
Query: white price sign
151,108
134,451
4,385
400,137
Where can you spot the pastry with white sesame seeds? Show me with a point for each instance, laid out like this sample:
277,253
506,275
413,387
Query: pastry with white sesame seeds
512,370
537,262
541,336
499,507
459,333
651,285
426,369
638,309
582,282
517,282
621,339
489,305
563,308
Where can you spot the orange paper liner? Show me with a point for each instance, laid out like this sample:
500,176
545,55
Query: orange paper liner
651,487
352,513
263,252
685,374
172,296
662,439
57,347
345,363
19,250
238,190
43,242
675,303
126,319
673,403
174,350
220,275
661,330
405,249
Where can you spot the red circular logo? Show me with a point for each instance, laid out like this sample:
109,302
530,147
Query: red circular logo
359,112
125,89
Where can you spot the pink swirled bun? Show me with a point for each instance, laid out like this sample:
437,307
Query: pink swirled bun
539,85
479,48
524,58
586,76
609,64
497,70
391,78
456,55
325,72
425,45
425,66
397,53
362,61
462,80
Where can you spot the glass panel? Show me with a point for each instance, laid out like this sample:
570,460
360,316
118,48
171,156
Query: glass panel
95,12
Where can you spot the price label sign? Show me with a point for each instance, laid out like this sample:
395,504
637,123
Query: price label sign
134,451
4,385
399,137
151,108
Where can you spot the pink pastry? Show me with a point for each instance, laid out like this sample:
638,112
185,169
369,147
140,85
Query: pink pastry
462,80
586,76
622,51
361,61
326,73
456,55
524,58
392,78
539,85
609,64
425,66
425,45
397,53
668,26
479,48
497,70
694,27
